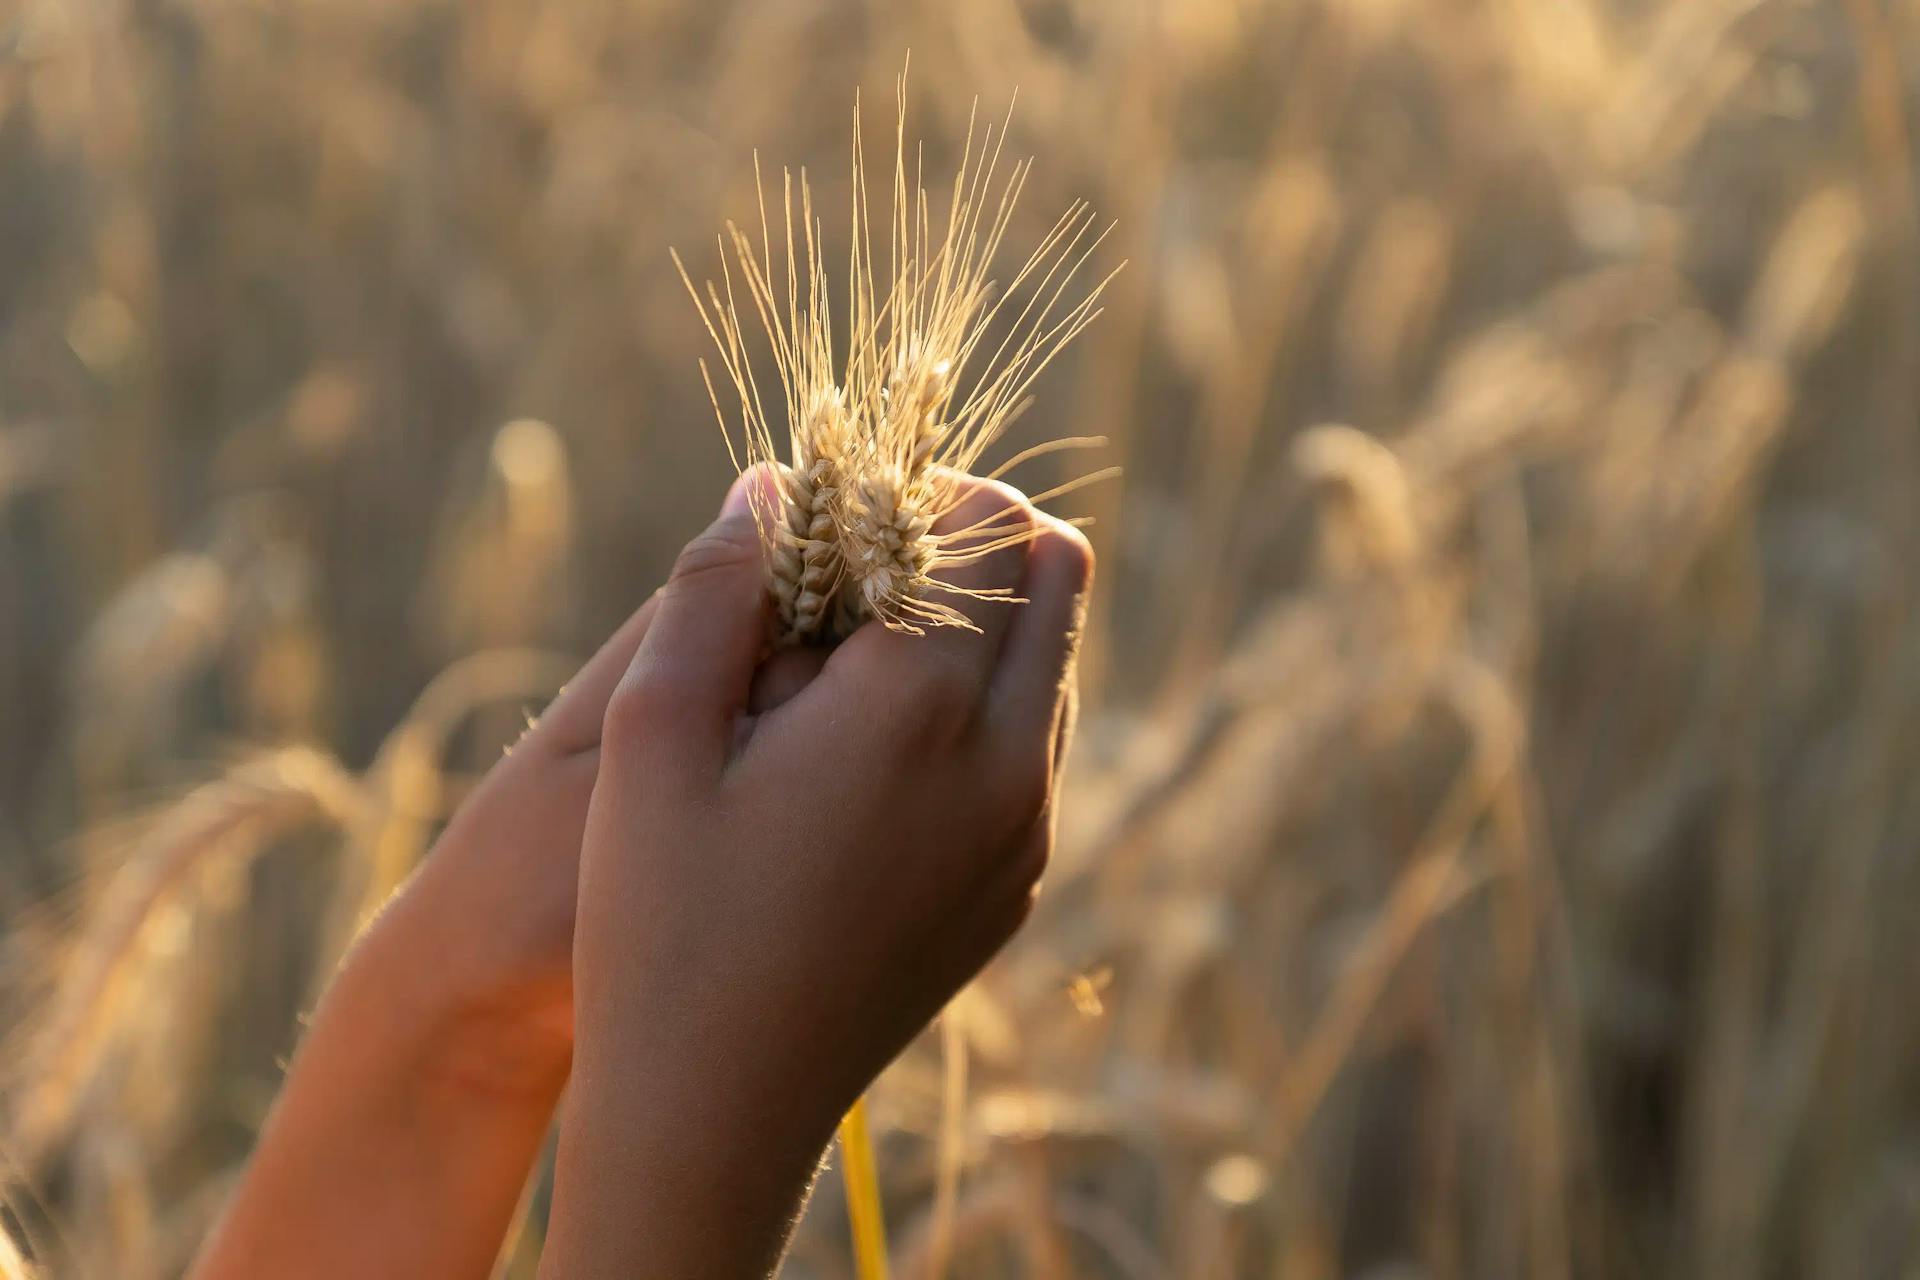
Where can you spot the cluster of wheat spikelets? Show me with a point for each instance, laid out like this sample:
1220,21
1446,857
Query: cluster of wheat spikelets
879,436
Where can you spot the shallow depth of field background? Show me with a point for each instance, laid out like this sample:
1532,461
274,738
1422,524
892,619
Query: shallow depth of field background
1490,850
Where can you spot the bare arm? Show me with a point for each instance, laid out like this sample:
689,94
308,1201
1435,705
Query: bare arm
428,1077
749,956
392,1150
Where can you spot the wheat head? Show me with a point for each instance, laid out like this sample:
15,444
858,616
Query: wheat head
879,435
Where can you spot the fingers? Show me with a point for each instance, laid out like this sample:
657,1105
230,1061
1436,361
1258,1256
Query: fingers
1034,678
983,553
676,704
983,539
783,675
572,721
778,681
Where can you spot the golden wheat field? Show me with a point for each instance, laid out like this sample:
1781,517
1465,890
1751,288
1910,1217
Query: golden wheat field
1490,846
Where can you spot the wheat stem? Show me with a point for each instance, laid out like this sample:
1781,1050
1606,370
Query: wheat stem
857,1170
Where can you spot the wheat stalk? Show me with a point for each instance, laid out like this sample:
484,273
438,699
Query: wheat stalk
233,816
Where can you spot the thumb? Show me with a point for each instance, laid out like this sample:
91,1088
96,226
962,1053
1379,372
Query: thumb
690,678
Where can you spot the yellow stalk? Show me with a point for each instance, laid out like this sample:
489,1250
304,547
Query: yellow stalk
863,1195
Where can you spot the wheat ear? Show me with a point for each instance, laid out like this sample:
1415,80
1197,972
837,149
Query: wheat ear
804,562
939,361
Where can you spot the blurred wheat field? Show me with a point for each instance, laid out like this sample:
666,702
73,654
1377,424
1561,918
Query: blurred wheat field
1490,848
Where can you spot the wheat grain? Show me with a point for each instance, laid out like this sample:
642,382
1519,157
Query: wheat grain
804,561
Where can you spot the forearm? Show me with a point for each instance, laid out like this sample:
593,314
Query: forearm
400,1144
683,1152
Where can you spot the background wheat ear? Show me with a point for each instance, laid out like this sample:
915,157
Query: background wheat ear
98,977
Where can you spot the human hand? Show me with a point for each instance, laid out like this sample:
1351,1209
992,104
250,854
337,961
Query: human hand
425,1084
773,901
479,943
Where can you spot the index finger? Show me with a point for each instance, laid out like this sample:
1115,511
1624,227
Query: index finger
572,721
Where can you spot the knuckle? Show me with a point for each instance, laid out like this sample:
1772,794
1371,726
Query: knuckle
634,713
1063,559
1071,545
713,553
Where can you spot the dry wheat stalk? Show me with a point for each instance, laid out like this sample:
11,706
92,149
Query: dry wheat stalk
878,438
234,816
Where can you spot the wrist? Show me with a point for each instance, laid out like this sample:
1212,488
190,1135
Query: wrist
459,1019
681,1153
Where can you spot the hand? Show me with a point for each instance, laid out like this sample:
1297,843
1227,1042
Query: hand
486,924
772,902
